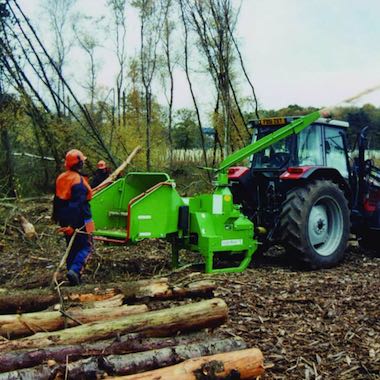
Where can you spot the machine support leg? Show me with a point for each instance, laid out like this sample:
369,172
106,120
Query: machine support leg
175,254
209,262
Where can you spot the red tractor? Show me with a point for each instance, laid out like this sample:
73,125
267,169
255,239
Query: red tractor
308,194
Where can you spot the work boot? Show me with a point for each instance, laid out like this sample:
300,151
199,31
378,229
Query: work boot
73,278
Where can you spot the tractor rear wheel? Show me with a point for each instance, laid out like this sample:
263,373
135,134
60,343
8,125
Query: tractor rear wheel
315,223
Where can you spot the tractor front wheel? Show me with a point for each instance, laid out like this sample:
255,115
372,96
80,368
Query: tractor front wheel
315,223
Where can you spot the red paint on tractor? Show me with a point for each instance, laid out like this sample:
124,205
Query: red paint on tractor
235,172
295,172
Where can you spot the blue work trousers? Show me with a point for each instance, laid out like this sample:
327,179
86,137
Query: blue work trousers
79,252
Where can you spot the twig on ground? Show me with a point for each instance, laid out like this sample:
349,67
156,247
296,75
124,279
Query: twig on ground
67,315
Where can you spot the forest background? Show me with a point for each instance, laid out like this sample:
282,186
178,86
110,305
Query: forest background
44,112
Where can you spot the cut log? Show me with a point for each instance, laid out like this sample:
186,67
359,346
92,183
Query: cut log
16,325
195,316
94,295
114,301
36,373
25,301
144,361
148,360
160,289
56,371
244,365
40,299
10,361
125,364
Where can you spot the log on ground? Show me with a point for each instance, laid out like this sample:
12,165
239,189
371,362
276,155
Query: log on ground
89,370
94,367
165,322
243,365
35,373
16,325
40,299
25,301
10,361
153,359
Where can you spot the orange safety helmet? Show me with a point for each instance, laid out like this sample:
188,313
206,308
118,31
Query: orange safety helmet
101,164
73,157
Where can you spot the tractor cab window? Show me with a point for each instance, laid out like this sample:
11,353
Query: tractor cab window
335,151
310,146
276,156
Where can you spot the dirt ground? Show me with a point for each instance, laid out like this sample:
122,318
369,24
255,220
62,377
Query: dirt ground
309,325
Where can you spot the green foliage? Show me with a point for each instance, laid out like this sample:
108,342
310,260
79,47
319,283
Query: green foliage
186,134
368,115
186,131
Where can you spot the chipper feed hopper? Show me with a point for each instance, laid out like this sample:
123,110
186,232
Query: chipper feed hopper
147,205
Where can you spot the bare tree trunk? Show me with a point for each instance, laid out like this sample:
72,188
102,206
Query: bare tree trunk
118,8
169,66
186,47
42,154
150,33
124,110
245,71
10,173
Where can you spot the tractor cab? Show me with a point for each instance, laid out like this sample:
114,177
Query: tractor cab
323,143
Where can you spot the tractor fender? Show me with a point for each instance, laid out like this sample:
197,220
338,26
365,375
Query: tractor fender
308,173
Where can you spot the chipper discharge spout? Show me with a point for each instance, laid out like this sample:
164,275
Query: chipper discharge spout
147,205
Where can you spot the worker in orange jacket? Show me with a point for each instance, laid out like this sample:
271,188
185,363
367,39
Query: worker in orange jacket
71,210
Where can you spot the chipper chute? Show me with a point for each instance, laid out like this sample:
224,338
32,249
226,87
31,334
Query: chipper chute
147,205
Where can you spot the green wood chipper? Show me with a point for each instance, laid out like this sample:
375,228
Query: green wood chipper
147,205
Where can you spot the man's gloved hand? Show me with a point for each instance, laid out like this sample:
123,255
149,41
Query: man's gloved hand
89,226
67,230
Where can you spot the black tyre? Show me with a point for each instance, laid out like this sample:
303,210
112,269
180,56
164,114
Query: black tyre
315,223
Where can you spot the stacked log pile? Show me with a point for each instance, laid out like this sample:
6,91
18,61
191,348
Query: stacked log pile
92,332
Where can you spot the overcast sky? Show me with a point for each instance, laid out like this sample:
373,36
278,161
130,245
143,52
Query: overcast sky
306,52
